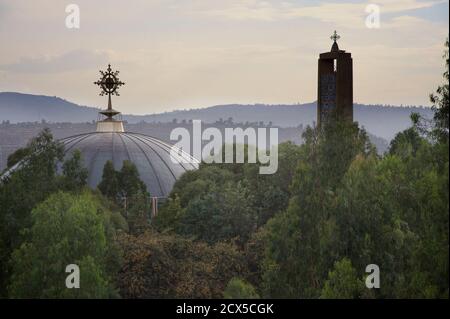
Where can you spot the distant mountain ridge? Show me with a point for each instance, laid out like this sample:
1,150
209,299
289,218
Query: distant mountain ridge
382,121
20,107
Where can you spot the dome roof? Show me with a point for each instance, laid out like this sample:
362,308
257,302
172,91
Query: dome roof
156,167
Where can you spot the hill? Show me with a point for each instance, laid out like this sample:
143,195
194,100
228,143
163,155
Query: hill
382,121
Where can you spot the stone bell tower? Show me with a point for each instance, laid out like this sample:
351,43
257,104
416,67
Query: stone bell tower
335,85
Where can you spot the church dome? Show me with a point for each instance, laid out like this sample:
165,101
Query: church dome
157,168
151,156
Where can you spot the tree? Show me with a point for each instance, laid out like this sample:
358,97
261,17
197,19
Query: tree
300,242
269,194
169,216
206,204
17,156
197,183
129,182
67,229
329,150
109,185
223,201
239,289
74,173
440,101
169,266
222,214
123,185
127,190
30,183
406,143
138,213
342,282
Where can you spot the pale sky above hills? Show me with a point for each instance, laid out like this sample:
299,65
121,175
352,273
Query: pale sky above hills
181,54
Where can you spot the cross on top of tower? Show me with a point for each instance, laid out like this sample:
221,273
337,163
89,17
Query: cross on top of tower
335,36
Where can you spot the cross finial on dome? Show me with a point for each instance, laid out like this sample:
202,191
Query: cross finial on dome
109,84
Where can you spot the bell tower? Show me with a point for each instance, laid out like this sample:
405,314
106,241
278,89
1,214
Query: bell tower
335,85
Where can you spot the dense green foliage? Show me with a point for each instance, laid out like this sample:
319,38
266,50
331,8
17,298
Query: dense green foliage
74,173
67,229
28,186
163,266
223,202
239,289
17,156
342,282
126,190
109,185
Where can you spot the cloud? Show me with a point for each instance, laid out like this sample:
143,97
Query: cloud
69,61
389,6
348,14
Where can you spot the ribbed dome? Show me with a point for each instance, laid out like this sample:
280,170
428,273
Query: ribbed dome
150,155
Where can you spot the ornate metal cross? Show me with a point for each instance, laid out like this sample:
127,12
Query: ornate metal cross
109,84
335,36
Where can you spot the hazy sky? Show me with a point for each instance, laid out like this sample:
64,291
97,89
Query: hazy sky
183,54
